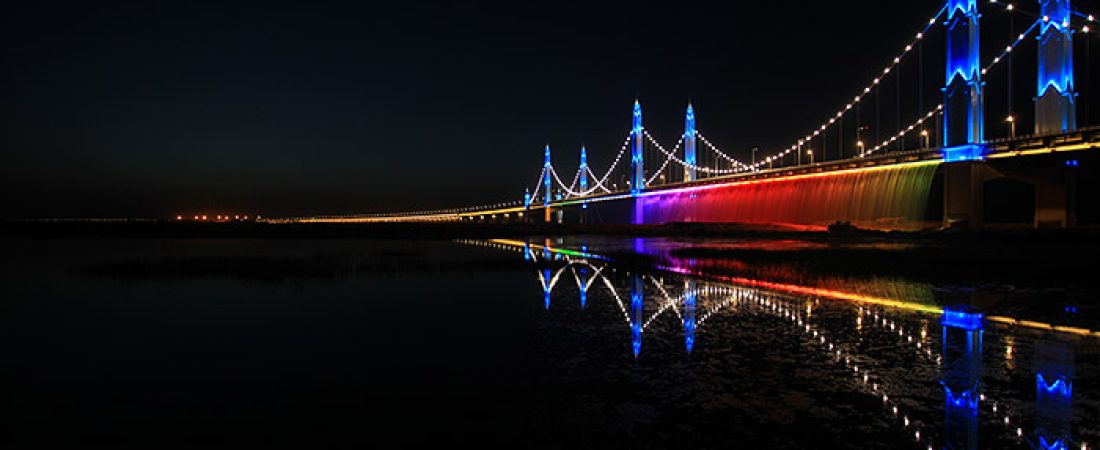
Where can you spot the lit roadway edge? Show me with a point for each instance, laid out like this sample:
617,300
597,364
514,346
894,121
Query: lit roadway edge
806,290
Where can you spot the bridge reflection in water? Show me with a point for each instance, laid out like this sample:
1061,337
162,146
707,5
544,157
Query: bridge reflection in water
885,346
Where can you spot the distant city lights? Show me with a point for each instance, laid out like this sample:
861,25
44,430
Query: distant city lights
218,218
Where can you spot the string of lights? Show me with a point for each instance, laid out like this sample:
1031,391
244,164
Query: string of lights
657,174
720,153
903,132
859,97
685,163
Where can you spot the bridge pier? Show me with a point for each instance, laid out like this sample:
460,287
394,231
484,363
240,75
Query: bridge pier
963,189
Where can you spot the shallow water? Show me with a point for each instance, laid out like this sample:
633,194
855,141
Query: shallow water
252,342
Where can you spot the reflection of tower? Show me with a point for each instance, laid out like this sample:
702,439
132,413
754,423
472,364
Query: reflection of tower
1053,394
546,288
689,314
582,285
962,368
637,293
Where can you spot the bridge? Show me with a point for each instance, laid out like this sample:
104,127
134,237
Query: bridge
845,169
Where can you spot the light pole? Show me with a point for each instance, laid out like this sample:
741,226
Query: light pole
859,144
1011,127
924,134
798,154
810,153
754,149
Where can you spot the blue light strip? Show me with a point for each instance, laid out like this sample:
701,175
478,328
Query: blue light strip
961,320
968,152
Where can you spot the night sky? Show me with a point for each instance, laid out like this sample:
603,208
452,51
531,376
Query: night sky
285,108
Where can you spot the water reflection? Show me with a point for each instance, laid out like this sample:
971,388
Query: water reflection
882,343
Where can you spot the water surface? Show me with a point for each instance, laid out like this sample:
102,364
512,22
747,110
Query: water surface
544,343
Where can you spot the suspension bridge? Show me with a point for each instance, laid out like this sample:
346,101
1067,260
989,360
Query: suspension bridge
942,155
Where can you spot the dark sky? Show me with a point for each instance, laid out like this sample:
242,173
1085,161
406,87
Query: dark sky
149,109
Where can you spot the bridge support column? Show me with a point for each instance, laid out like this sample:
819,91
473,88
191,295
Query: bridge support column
963,113
637,158
1055,106
963,185
583,174
689,144
547,183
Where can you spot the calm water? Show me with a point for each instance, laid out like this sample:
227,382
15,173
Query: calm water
542,343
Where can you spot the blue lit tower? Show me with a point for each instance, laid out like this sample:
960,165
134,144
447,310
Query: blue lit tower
1055,109
583,170
689,144
963,109
637,294
689,309
637,161
962,370
546,184
526,198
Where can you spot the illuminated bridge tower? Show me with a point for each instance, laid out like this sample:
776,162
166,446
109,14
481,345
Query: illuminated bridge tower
962,369
963,120
637,161
547,184
584,170
689,145
963,109
1055,106
583,180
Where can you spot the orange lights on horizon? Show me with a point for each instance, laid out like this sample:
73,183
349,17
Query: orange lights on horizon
217,218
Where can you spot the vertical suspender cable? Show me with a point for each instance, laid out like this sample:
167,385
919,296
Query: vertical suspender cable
1011,37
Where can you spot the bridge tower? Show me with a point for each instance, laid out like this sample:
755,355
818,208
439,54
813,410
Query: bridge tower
689,144
637,161
1055,106
583,170
547,184
963,106
963,117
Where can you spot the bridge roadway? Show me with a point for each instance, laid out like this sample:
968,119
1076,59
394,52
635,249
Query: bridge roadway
999,149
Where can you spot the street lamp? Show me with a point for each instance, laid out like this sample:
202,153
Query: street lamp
810,153
924,134
859,144
1011,127
754,149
